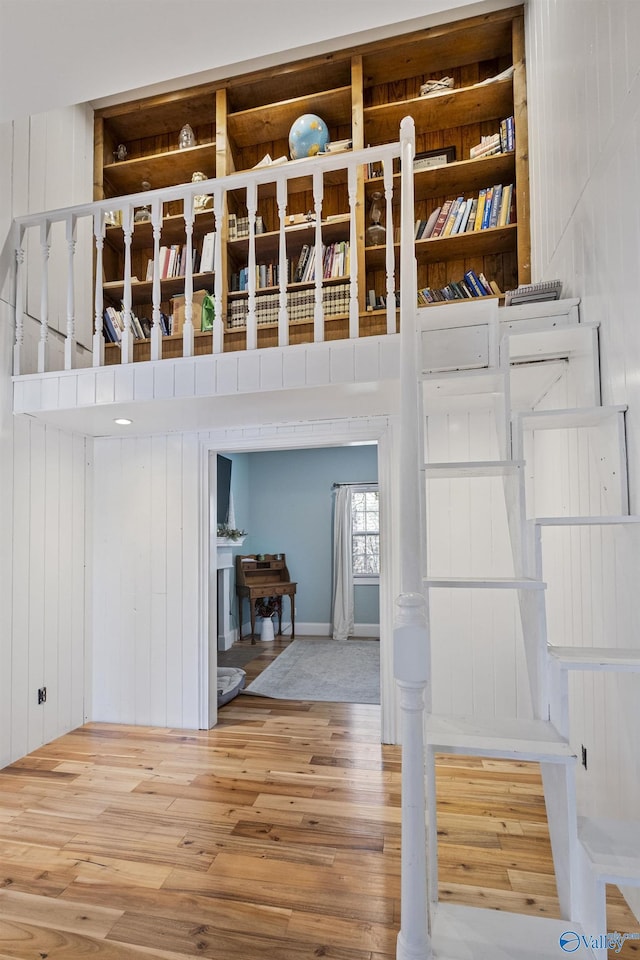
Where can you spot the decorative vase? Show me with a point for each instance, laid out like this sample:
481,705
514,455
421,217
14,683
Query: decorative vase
376,233
266,629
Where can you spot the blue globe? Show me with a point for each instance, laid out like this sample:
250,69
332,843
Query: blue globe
309,135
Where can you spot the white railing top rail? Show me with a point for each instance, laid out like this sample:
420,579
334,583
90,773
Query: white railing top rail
293,169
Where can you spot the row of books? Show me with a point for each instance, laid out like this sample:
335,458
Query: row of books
501,142
113,325
300,306
493,207
267,275
335,262
173,259
472,285
238,227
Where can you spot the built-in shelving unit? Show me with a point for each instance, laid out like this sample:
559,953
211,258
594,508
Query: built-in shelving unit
362,94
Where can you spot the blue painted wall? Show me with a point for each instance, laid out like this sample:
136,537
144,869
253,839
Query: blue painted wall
285,502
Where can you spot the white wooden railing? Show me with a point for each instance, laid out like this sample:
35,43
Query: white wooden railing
245,184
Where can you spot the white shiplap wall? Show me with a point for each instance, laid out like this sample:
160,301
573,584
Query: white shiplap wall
584,113
145,580
43,471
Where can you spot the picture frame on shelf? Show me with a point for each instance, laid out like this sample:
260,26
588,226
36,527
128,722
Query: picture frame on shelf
427,159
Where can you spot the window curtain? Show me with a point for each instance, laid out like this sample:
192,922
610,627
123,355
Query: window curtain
342,625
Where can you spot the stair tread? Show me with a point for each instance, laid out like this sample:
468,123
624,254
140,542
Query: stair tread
597,658
613,847
587,521
473,933
568,417
542,342
486,583
473,468
510,737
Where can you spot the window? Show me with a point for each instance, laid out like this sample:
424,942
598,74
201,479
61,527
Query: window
365,533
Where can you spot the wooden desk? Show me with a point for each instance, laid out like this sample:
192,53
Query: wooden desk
267,577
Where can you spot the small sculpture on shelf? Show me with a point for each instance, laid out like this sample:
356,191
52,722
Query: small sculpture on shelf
201,201
187,137
143,214
120,153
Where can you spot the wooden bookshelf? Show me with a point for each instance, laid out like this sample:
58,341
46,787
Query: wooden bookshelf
362,93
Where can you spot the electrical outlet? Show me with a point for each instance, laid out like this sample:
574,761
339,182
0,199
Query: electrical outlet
584,756
42,695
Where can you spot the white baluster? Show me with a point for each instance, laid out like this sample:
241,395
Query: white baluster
156,294
187,330
411,631
71,320
390,259
98,332
318,311
354,318
283,315
19,341
218,320
252,330
43,344
126,347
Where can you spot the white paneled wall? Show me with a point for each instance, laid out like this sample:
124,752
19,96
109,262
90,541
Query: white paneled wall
47,162
584,112
44,643
145,580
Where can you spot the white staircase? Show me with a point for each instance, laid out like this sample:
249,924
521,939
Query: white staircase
509,398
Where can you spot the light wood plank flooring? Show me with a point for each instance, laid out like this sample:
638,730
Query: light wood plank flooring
273,837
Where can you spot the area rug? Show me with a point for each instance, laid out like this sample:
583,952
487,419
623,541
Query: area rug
346,671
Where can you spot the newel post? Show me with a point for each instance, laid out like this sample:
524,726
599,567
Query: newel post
410,667
411,654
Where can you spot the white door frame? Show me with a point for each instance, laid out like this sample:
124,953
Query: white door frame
334,433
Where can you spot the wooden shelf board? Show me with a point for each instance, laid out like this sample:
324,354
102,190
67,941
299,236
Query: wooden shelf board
456,108
142,290
268,244
273,121
172,231
435,50
308,285
296,184
477,243
161,114
452,179
160,169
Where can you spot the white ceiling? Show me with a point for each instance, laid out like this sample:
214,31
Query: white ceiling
55,53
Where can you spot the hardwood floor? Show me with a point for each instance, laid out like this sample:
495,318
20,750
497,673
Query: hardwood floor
274,836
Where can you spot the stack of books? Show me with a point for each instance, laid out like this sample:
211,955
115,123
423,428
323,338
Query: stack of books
501,142
472,285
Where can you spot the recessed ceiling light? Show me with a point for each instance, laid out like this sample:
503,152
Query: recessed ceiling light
123,421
